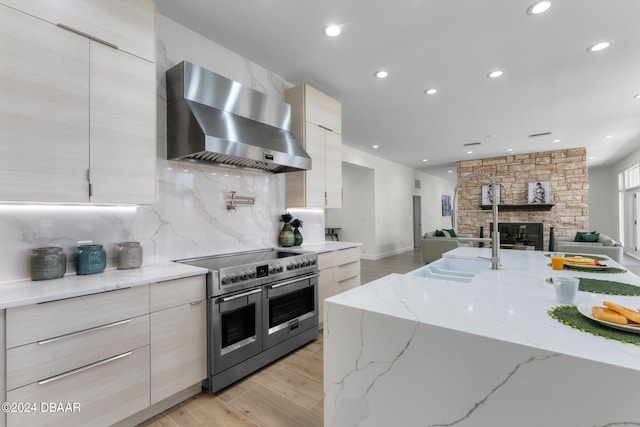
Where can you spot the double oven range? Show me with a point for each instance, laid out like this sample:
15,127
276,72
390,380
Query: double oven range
261,305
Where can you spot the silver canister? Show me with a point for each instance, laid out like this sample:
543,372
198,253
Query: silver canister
48,263
128,255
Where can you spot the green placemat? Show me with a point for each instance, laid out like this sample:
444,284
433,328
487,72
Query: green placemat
570,316
597,258
607,287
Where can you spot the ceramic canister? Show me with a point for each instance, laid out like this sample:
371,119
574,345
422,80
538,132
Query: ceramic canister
128,255
90,259
48,263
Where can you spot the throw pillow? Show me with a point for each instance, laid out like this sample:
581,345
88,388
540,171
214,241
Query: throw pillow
445,232
606,240
451,231
439,233
582,236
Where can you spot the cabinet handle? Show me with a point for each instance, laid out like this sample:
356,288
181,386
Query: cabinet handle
325,128
288,282
84,368
89,36
197,302
75,334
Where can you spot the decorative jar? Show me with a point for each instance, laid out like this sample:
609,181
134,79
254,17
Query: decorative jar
128,255
90,259
48,263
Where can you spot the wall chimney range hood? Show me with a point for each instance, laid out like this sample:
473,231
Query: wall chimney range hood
213,119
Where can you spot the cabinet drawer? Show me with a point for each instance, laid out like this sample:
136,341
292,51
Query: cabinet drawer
37,322
33,362
173,293
345,285
323,110
105,392
178,349
325,260
346,256
346,271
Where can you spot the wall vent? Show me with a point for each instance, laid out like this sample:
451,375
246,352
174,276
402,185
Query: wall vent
417,184
533,135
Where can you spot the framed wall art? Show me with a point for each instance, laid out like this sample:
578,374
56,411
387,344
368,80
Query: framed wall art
488,193
446,205
539,193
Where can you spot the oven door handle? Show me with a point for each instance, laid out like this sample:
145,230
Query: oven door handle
244,294
288,282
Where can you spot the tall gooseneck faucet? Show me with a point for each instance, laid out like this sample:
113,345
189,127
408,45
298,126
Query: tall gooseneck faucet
495,236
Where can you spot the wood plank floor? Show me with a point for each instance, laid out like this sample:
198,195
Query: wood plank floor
289,392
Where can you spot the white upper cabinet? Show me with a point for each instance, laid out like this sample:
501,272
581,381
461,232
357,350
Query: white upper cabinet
128,25
316,121
81,113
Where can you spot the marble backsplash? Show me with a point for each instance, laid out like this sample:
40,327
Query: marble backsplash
190,217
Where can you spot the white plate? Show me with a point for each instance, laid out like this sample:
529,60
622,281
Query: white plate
585,310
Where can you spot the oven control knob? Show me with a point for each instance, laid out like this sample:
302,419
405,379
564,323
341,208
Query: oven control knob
290,267
307,263
313,262
272,270
244,276
280,269
252,275
235,278
226,280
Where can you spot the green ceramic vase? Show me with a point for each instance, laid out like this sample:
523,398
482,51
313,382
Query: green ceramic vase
286,237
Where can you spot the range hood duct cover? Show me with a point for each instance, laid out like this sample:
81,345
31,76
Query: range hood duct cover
213,119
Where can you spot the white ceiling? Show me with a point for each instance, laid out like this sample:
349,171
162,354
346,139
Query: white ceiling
551,83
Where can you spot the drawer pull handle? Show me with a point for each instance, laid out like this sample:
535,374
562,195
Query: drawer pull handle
63,337
84,368
197,302
89,36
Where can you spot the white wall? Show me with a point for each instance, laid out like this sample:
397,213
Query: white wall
603,201
392,214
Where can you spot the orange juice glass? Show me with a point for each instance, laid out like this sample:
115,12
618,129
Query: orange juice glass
557,262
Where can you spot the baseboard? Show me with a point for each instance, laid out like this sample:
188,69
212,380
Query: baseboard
376,257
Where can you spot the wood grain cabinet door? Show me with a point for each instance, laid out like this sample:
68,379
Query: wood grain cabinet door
44,131
122,131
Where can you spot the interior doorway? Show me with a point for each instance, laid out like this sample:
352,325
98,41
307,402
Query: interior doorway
630,221
417,221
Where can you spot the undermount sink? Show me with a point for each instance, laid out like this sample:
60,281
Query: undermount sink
457,270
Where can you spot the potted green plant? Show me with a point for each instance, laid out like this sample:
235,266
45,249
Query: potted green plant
296,224
286,237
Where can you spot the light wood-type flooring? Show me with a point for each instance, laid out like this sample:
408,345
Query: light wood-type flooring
288,392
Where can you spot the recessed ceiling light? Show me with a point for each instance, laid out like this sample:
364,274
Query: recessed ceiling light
636,95
375,146
556,140
598,47
431,91
425,160
494,74
450,171
469,152
509,150
539,7
592,157
381,74
608,137
332,30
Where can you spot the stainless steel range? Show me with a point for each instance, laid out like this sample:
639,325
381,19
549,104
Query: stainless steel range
261,306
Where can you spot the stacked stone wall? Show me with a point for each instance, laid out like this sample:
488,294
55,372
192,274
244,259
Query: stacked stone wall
566,172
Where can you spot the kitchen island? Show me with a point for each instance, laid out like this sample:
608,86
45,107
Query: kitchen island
419,351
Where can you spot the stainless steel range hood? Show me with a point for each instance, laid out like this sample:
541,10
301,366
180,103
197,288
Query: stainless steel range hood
216,120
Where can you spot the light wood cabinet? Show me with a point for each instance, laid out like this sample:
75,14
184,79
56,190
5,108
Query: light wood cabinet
81,114
178,336
129,25
89,353
316,121
339,271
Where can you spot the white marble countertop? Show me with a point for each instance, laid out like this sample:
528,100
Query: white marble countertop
320,247
510,304
24,292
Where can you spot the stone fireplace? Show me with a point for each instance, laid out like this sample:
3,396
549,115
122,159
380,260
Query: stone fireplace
521,234
566,172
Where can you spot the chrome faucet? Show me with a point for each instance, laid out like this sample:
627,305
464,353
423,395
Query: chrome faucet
495,235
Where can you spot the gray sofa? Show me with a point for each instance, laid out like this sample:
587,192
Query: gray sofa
604,246
433,247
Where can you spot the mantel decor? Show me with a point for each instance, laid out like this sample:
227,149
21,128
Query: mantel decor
510,208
